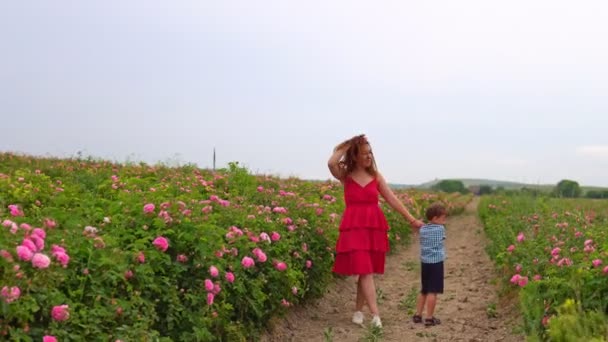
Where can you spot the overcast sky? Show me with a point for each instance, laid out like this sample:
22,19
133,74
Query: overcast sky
512,90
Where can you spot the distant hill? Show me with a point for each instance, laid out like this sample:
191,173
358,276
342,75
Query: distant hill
493,183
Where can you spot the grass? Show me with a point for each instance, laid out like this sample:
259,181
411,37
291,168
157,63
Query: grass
408,303
373,334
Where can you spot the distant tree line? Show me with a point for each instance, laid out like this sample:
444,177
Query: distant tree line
565,189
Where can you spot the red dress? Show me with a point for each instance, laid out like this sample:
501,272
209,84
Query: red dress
363,242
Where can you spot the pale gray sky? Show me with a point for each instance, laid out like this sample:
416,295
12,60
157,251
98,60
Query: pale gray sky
473,88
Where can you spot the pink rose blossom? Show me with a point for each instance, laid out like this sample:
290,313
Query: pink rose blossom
605,270
141,258
521,237
10,294
537,277
294,290
308,263
63,258
260,255
213,271
41,261
596,262
264,237
182,258
281,266
24,253
515,279
30,245
57,249
275,236
60,313
49,338
39,232
39,242
149,208
128,274
523,281
247,262
208,285
210,297
511,248
6,255
14,210
50,223
230,277
161,243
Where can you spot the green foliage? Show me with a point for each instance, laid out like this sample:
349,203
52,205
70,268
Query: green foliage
573,323
568,189
113,293
597,194
450,186
561,254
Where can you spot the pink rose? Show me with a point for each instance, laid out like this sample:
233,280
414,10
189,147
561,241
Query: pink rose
63,258
281,266
24,253
49,338
10,294
521,237
247,262
161,243
208,285
210,297
39,232
141,258
149,208
230,277
213,271
30,245
60,313
40,260
275,236
308,263
511,248
596,262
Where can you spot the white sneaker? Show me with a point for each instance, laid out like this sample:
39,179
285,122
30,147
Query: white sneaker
358,317
376,322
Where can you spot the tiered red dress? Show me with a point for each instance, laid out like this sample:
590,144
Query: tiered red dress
363,242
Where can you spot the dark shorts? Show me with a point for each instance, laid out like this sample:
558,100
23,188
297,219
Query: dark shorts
432,277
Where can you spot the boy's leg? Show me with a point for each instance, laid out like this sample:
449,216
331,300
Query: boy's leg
431,301
420,304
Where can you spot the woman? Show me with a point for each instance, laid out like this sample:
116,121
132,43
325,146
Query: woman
362,244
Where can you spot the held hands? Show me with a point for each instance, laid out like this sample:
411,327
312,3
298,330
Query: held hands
415,223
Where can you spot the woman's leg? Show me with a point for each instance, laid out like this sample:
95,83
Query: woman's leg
369,292
360,297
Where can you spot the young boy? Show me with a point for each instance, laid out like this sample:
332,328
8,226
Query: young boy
432,254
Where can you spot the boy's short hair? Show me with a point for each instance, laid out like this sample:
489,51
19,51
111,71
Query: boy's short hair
435,210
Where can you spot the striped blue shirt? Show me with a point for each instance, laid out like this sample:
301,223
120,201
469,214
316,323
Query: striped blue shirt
432,246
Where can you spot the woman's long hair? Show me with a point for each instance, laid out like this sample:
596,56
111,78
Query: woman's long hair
349,162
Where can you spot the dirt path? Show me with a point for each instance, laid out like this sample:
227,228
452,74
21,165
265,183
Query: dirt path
463,308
